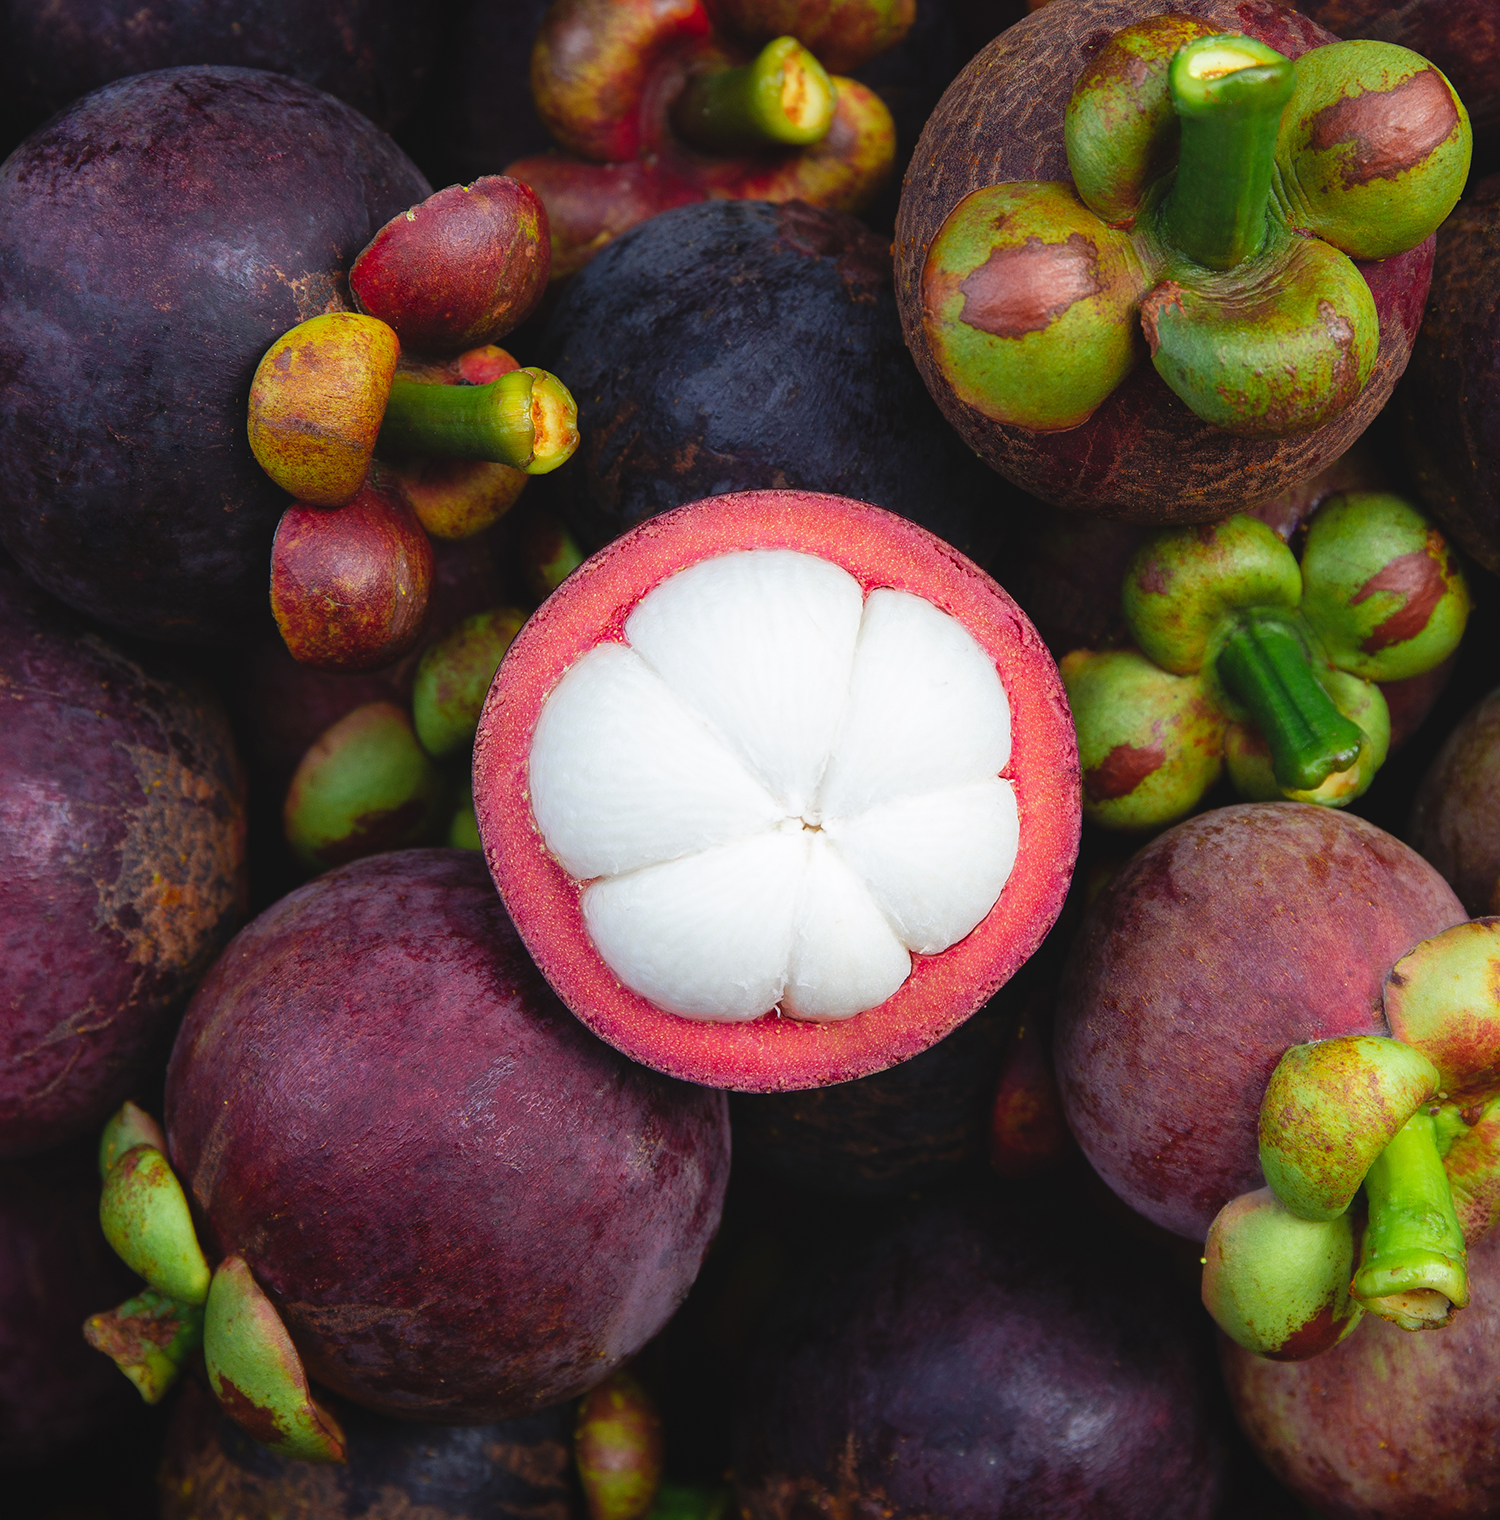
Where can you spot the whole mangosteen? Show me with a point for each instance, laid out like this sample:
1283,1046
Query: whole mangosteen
155,239
462,1205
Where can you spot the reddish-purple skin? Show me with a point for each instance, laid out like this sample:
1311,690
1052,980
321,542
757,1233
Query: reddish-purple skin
1219,944
980,1364
56,1269
465,1207
1391,1424
1450,404
1455,822
460,270
155,239
1142,456
122,865
350,587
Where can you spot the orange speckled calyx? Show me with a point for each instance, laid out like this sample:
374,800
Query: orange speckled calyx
772,1053
349,588
459,270
316,405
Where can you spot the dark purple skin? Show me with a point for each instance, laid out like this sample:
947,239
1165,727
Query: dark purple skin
517,1470
1391,1424
122,864
56,1269
1462,37
155,239
1450,401
372,54
978,1364
1222,942
1455,821
465,1207
1142,456
904,1128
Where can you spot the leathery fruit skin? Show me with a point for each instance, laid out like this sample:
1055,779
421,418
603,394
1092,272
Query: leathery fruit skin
1142,455
122,864
463,1206
881,552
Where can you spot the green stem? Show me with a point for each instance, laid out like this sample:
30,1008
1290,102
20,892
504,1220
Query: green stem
1229,93
1263,664
783,99
525,419
1413,1266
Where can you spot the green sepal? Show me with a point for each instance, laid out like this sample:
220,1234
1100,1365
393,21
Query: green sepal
150,1338
1471,1159
1413,1266
364,785
1276,1284
1382,590
1278,345
1183,582
1029,303
1150,743
1120,129
740,110
1443,998
256,1373
145,1217
130,1126
1373,150
1329,1110
1247,756
617,1444
453,679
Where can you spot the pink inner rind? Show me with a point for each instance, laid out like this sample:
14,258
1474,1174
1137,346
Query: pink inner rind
772,1053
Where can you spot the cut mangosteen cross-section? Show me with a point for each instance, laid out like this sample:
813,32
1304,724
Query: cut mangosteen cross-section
778,788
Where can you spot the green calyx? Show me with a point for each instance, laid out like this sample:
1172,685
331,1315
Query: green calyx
618,1447
1221,194
129,1127
256,1373
1443,998
454,678
150,1338
783,99
145,1217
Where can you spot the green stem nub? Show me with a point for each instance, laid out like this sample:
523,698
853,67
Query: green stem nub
1413,1266
784,99
1263,664
525,419
1229,93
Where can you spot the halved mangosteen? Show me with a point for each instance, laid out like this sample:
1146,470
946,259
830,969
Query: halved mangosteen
778,788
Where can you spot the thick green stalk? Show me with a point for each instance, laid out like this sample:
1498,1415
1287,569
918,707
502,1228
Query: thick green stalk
1263,665
1413,1265
525,419
783,99
1229,93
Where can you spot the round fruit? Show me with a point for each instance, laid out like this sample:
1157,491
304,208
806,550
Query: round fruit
778,789
463,1207
1455,821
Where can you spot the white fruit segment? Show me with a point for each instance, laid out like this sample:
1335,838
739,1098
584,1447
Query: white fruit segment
780,791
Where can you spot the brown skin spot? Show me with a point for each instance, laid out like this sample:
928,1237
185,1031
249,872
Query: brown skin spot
1418,577
1154,577
256,1421
1024,290
125,1340
1121,771
1313,1338
1168,293
1391,130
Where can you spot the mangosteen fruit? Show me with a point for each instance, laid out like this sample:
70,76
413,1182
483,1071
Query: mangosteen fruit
157,237
1033,223
737,345
461,1206
976,1363
1455,820
122,863
1450,404
56,1394
372,54
1221,944
514,1470
778,789
1386,1426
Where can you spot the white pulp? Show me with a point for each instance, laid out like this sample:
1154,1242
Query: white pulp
777,789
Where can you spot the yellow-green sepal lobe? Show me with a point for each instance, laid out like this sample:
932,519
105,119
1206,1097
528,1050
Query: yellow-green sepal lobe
149,1338
145,1217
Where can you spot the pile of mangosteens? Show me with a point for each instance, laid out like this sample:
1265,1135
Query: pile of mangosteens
860,875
